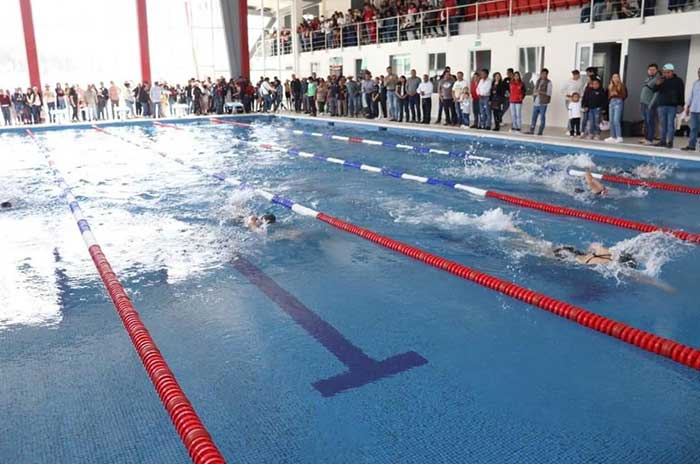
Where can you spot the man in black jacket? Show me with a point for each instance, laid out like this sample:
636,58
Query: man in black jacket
296,93
670,98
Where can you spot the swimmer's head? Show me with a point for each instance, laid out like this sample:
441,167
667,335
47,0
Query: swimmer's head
268,218
253,221
628,260
5,204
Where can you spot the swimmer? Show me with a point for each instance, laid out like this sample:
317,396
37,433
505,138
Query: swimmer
254,222
595,255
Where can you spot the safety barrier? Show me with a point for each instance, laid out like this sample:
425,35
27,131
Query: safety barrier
383,143
639,182
668,348
518,201
192,431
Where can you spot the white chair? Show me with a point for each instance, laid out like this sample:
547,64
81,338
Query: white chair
180,109
59,116
123,112
235,107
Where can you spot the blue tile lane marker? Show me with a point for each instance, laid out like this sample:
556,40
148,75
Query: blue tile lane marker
361,368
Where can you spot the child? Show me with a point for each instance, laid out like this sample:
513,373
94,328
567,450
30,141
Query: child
465,102
575,115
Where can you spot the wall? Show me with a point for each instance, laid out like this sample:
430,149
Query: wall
560,49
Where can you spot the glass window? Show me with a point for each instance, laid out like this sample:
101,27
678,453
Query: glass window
336,66
401,64
360,67
315,68
13,58
480,59
530,62
436,63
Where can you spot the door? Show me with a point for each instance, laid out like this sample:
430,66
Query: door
584,56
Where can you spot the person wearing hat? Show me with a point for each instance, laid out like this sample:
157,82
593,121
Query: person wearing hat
693,112
670,98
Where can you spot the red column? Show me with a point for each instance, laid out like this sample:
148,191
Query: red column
143,40
30,43
243,23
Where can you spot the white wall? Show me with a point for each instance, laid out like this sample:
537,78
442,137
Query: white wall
560,49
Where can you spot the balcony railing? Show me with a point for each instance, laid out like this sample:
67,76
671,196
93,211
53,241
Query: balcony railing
500,14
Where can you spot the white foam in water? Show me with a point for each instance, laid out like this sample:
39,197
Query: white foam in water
492,220
653,170
651,251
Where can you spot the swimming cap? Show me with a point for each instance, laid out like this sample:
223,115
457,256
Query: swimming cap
5,204
269,218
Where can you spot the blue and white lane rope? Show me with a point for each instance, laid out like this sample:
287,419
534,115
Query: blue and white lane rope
383,143
366,167
192,432
683,354
504,197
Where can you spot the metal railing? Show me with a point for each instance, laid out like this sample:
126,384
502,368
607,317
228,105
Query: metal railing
503,14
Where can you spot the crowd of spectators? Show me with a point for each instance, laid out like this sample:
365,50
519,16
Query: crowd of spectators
479,101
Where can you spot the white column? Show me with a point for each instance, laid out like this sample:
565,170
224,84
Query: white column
279,41
262,36
297,11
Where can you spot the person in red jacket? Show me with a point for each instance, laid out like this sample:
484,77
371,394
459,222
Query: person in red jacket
517,95
5,102
475,100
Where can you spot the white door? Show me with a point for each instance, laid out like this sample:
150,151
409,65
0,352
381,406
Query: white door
584,56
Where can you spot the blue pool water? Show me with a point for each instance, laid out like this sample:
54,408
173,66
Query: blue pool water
492,379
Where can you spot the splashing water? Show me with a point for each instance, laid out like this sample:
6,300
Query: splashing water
651,251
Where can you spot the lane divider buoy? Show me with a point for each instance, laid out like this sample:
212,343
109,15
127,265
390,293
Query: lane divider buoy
504,197
165,124
189,426
386,144
639,182
682,354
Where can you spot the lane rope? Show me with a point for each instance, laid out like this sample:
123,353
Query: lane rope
682,354
192,431
504,197
383,143
639,182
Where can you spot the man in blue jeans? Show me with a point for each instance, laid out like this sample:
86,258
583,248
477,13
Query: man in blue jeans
390,81
543,95
670,98
693,112
647,104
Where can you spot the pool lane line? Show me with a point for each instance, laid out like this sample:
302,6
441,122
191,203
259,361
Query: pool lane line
362,369
342,138
639,182
682,354
189,426
518,201
165,124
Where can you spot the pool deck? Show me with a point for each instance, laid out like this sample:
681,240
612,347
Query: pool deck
553,136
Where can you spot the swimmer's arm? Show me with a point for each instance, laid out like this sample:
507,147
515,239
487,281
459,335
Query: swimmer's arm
643,279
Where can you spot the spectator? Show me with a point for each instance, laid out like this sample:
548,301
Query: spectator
333,87
311,94
573,85
102,99
457,90
5,102
61,97
670,100
516,97
390,81
74,102
354,97
296,93
498,97
617,93
35,103
445,86
465,102
342,97
412,84
90,97
321,95
693,112
425,90
647,104
114,94
484,91
474,90
574,109
543,95
594,100
50,99
402,98
129,98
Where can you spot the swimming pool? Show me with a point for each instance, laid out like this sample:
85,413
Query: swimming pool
260,329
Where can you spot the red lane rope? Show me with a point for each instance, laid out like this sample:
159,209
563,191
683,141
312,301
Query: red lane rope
590,216
652,184
192,432
668,348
